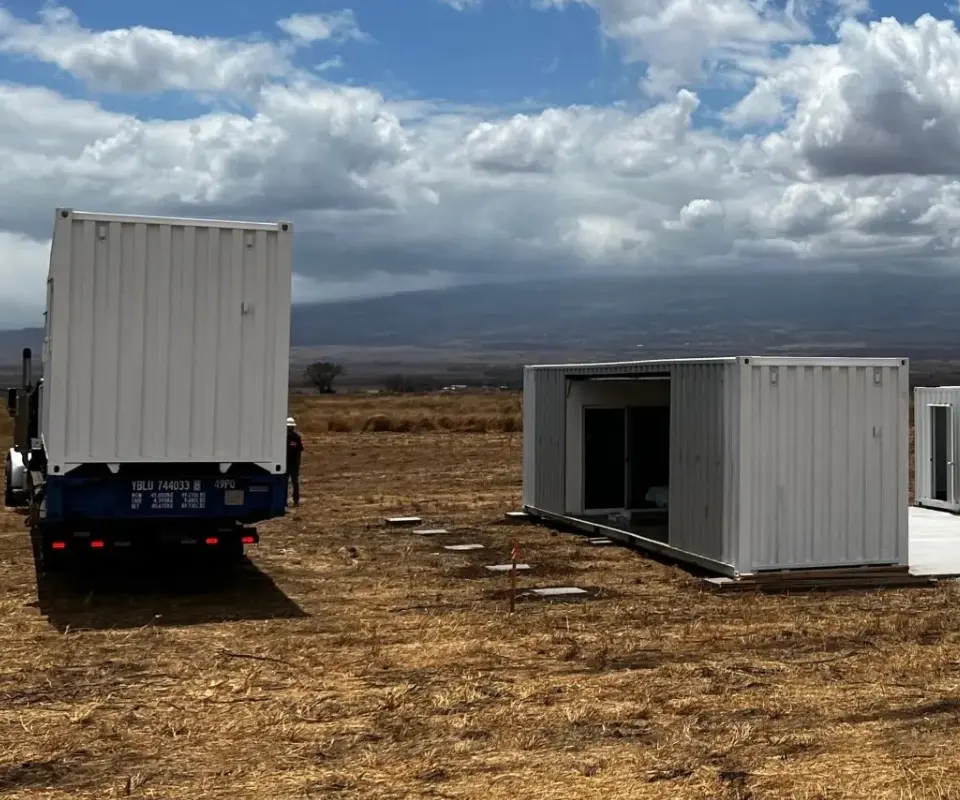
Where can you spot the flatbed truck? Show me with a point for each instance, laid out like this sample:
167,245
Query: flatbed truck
159,419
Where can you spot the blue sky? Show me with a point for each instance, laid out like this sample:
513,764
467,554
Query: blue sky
500,53
503,140
503,53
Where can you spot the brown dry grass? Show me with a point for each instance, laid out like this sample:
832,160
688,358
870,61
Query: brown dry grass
464,413
352,661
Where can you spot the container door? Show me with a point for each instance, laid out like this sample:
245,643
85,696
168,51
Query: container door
604,458
45,361
942,456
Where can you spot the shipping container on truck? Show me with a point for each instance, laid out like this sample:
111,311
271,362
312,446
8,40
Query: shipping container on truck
160,416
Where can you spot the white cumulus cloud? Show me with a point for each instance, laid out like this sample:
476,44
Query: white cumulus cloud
338,26
140,59
828,154
461,5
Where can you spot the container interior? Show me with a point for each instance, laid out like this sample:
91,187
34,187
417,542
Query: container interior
618,447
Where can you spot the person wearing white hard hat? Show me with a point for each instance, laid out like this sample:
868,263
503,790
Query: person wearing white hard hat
294,451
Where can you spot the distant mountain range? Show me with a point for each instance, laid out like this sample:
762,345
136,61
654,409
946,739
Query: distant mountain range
917,316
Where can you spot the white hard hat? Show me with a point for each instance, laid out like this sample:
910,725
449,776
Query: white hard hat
291,422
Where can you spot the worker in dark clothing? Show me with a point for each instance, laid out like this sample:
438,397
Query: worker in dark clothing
294,451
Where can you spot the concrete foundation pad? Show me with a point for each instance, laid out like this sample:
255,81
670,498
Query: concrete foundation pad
430,531
559,591
517,516
462,547
934,543
599,541
400,521
507,567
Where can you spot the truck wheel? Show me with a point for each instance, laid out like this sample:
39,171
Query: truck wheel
231,551
53,560
225,554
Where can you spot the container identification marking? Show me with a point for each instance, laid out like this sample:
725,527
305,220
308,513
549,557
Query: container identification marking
175,495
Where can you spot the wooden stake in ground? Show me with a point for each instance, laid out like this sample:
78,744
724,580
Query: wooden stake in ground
514,555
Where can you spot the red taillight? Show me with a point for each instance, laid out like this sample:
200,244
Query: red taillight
59,545
212,540
97,544
248,540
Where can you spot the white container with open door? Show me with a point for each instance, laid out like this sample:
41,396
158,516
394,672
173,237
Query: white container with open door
936,448
738,464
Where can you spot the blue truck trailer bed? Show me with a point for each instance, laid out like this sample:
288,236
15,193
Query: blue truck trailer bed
243,499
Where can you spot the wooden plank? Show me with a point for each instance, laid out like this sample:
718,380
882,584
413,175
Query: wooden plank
732,585
783,576
822,587
856,569
833,584
752,580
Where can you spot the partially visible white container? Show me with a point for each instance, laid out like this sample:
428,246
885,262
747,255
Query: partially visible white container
936,421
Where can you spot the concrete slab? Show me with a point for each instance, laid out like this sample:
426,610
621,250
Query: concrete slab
599,541
430,531
934,543
399,521
507,567
559,591
461,547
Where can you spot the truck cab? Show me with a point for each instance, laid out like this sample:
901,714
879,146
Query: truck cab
23,405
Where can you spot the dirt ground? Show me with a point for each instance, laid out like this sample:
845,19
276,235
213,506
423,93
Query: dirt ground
347,660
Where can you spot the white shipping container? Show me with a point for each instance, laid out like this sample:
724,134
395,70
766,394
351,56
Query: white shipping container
936,420
167,341
770,463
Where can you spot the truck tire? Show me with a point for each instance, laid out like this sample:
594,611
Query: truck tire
9,500
231,551
51,560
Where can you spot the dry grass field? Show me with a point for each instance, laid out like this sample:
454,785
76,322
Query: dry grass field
351,661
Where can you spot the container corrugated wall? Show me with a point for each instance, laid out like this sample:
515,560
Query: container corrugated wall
168,341
544,439
702,460
824,463
529,437
925,396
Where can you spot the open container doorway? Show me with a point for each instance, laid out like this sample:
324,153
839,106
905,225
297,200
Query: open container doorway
936,412
624,451
942,461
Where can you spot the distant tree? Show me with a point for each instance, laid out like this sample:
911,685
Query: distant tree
322,374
